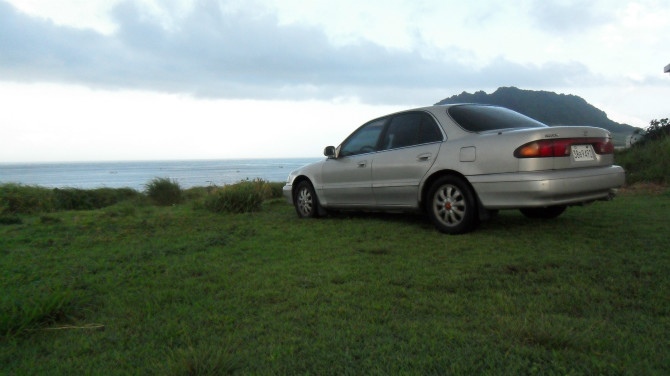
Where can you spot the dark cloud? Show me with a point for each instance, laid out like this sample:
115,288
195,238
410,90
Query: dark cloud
243,55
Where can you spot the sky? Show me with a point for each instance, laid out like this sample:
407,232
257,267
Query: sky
99,80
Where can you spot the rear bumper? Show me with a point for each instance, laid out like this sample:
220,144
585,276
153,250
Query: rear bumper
546,188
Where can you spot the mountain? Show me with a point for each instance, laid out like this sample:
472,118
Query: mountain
547,107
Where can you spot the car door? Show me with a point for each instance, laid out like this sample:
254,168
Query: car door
347,179
407,151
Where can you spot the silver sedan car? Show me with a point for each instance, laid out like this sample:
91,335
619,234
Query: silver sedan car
459,164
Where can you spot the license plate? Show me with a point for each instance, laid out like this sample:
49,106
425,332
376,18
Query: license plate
581,153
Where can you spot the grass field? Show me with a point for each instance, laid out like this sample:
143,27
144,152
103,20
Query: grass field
139,289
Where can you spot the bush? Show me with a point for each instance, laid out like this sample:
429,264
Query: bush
164,191
646,162
276,190
10,220
245,196
82,199
17,198
657,130
197,193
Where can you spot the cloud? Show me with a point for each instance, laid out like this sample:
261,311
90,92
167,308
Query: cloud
218,53
567,16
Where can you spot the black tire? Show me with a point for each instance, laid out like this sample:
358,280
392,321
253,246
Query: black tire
305,201
548,212
451,205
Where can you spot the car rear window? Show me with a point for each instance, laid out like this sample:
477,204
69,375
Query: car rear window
475,118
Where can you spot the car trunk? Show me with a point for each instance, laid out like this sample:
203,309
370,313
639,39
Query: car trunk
564,147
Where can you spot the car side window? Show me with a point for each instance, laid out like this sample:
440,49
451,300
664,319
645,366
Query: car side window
402,131
411,129
364,140
430,131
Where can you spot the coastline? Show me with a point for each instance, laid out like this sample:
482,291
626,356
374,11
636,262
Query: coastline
135,174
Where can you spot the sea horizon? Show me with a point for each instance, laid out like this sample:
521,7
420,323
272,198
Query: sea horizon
156,160
136,174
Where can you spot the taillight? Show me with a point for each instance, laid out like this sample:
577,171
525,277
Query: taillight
603,146
561,147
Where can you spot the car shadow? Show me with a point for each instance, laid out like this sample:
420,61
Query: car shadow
416,219
506,220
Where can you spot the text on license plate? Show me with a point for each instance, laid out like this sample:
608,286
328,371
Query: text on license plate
582,153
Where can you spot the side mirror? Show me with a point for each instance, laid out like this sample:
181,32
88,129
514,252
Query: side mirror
329,151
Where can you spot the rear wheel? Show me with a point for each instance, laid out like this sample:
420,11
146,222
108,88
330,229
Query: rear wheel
547,212
305,200
451,205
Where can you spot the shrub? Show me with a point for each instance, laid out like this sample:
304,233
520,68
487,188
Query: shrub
164,191
657,130
245,196
646,162
82,199
10,220
17,198
276,190
197,193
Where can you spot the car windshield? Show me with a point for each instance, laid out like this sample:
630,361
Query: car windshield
476,118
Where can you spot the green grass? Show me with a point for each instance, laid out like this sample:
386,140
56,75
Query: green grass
138,289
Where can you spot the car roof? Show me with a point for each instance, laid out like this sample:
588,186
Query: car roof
440,107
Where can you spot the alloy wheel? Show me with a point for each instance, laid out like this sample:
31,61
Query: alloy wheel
305,202
449,205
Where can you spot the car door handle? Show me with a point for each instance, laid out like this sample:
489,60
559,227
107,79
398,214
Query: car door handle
423,157
362,164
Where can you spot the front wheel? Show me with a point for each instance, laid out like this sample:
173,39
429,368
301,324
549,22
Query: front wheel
451,206
548,212
305,200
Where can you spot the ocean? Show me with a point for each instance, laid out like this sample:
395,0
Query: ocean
88,175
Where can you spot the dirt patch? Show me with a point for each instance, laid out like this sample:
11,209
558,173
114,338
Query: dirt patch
649,188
